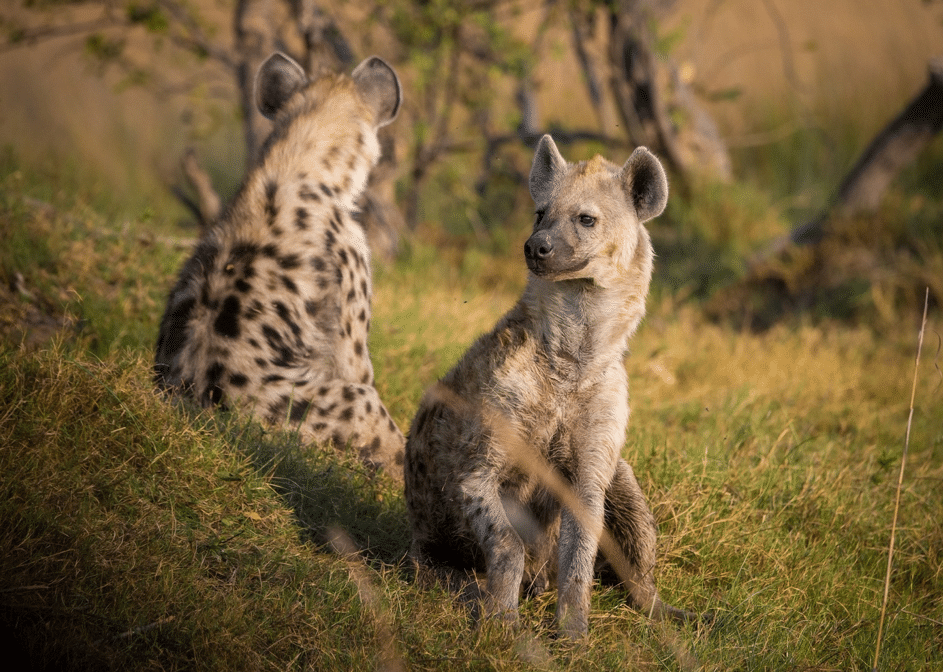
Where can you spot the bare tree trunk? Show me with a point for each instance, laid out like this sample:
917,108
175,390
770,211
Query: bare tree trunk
208,204
326,48
635,80
648,91
898,144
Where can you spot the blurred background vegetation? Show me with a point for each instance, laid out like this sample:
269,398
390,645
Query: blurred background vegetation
759,109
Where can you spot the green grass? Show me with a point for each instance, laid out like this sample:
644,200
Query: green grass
140,534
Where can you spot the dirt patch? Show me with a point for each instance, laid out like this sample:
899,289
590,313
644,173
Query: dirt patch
28,319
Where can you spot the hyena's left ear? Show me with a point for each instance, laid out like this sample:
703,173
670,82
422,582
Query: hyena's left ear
379,86
645,184
278,79
548,168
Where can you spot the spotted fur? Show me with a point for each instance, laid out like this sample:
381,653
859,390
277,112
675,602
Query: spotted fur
271,313
513,461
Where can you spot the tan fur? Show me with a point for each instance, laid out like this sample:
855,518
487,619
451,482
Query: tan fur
271,314
513,461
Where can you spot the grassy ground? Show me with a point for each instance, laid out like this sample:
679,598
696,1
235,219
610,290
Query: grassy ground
141,535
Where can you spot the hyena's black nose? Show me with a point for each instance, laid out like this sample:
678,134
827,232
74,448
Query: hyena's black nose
538,246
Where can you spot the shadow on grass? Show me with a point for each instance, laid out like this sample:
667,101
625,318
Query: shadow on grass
328,489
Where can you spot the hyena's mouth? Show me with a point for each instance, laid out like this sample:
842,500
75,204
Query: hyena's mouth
549,268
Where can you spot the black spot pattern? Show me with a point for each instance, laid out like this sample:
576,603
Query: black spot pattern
227,321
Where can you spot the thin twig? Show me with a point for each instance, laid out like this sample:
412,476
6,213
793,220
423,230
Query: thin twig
900,481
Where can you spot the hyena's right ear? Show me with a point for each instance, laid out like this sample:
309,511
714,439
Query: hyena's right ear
645,184
549,167
379,86
278,78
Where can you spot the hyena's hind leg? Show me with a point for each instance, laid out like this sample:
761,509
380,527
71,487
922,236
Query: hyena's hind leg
348,414
632,526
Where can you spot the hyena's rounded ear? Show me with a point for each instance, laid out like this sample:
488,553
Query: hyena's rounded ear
645,183
379,86
278,79
549,167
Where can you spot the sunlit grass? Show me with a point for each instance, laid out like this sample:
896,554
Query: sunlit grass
144,535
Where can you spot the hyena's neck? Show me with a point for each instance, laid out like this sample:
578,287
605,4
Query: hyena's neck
318,161
582,322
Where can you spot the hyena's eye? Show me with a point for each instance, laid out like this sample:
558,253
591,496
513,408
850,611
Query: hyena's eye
587,220
540,216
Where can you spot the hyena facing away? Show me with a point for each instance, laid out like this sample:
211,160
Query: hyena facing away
271,313
513,460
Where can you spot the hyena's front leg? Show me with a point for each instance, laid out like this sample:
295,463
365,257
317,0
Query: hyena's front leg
502,546
579,541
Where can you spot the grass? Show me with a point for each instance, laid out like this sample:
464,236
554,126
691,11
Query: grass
144,535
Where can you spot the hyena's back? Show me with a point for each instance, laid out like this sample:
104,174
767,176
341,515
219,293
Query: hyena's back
271,314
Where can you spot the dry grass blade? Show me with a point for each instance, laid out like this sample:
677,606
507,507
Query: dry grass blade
900,481
389,659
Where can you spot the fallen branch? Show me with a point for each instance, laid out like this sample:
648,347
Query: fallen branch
898,144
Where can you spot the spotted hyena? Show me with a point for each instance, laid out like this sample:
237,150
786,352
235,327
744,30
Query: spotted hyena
271,313
513,460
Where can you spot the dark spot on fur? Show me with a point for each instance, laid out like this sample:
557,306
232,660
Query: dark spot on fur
326,190
312,307
305,193
242,285
348,394
317,263
282,310
289,284
351,295
299,409
284,356
289,261
271,209
277,409
270,250
301,218
323,390
254,310
227,322
272,378
369,407
358,347
364,288
319,426
347,414
238,380
327,410
343,257
213,393
362,317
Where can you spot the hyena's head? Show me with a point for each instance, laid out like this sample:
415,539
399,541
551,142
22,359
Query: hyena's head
590,214
283,91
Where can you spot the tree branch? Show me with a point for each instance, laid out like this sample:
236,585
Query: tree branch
894,147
